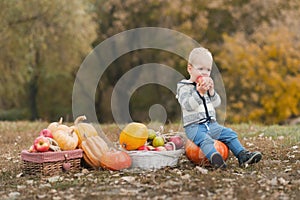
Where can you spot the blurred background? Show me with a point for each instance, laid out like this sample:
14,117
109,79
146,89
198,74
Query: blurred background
256,47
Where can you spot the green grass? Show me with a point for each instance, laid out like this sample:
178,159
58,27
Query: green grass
289,134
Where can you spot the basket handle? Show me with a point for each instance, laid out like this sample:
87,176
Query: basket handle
66,165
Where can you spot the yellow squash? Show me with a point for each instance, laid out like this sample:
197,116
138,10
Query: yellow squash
83,130
133,136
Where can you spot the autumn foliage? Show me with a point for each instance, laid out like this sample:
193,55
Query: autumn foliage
261,74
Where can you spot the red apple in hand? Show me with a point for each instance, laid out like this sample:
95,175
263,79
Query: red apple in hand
41,144
199,79
46,133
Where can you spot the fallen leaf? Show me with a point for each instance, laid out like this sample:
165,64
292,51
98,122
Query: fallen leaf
282,181
202,170
186,177
29,182
14,195
280,137
19,175
128,192
21,187
295,147
41,196
54,179
128,179
228,179
273,181
47,185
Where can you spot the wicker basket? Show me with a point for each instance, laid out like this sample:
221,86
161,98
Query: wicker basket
154,159
51,163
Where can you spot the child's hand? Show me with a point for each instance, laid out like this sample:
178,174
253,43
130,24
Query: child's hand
211,86
206,84
203,85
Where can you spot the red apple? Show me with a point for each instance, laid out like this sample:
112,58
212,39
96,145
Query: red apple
160,148
46,132
32,149
41,144
177,140
170,146
151,148
143,148
199,79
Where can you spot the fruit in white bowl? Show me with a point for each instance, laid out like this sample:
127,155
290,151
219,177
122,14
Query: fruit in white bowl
177,140
158,141
160,148
170,146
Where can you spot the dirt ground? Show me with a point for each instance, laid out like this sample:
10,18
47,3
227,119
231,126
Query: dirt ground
277,176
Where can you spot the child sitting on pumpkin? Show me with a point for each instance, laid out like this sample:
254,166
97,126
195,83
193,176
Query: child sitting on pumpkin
198,100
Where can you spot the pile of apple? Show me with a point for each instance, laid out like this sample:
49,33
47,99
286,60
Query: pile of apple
159,142
44,142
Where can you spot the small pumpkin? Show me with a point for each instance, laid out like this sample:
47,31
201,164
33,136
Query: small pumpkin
194,153
115,160
65,138
54,125
83,130
93,147
133,136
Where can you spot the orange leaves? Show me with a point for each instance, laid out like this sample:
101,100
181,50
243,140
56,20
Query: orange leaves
266,70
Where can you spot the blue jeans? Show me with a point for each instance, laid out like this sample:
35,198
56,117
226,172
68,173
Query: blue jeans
203,135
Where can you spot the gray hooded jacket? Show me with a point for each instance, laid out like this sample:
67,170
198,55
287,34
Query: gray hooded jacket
196,108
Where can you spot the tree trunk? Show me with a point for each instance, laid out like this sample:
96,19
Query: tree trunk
33,88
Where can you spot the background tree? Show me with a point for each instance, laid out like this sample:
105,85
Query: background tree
43,42
118,16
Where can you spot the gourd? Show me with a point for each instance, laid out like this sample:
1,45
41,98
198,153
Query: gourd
115,160
83,130
65,138
194,153
54,125
93,147
133,136
63,135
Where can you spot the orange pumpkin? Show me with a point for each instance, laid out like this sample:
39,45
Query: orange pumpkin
194,153
133,136
115,160
65,138
93,147
83,130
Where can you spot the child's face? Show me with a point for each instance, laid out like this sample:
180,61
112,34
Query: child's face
195,72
